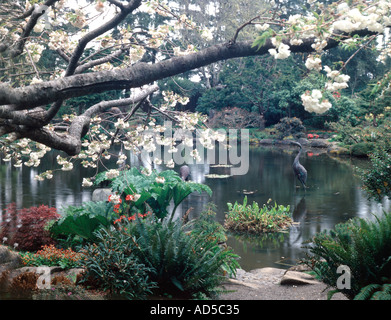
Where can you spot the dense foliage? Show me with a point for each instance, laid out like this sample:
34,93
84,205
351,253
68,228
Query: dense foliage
377,178
27,228
111,264
146,256
363,246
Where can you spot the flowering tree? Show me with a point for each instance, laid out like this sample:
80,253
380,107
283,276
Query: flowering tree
93,52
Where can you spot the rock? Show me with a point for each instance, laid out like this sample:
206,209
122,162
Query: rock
303,141
266,141
319,143
297,278
9,259
335,149
45,272
101,194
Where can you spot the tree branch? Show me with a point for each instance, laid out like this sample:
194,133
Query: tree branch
70,142
125,10
132,77
37,12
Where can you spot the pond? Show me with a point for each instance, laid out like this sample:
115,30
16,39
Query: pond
333,195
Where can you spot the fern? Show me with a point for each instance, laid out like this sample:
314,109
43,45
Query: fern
362,245
180,262
375,292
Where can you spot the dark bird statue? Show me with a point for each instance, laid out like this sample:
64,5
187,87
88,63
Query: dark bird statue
184,172
298,169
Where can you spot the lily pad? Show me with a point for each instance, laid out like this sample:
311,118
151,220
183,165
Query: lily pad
217,176
221,166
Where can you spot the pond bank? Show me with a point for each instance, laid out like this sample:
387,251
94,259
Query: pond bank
258,284
330,147
276,284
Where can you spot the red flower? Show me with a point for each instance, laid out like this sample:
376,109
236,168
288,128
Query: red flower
129,197
310,154
310,136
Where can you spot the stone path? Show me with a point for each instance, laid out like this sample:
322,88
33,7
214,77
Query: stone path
275,284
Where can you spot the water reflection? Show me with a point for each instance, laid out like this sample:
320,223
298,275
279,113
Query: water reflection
334,195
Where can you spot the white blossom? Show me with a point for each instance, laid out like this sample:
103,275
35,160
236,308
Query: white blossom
282,52
314,102
86,182
170,164
313,63
160,179
111,174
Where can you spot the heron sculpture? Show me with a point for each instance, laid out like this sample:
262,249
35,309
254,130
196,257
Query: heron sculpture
298,169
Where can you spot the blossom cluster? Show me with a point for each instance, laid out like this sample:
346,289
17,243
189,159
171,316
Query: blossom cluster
281,51
314,102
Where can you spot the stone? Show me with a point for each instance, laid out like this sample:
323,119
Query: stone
303,141
319,143
101,194
50,272
298,278
335,149
9,259
266,141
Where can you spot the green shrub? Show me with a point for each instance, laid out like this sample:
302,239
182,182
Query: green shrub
206,226
377,179
181,263
365,247
111,264
290,127
362,149
255,219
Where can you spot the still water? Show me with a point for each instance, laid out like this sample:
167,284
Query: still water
333,195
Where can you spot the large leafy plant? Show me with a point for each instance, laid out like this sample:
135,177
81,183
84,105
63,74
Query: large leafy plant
79,223
152,190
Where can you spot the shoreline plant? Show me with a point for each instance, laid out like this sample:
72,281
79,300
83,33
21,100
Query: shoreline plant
255,219
363,246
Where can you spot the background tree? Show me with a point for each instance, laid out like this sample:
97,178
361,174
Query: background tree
96,52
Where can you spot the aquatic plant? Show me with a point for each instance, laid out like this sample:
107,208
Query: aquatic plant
253,218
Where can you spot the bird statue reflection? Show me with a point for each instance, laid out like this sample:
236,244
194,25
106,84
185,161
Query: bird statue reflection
298,169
